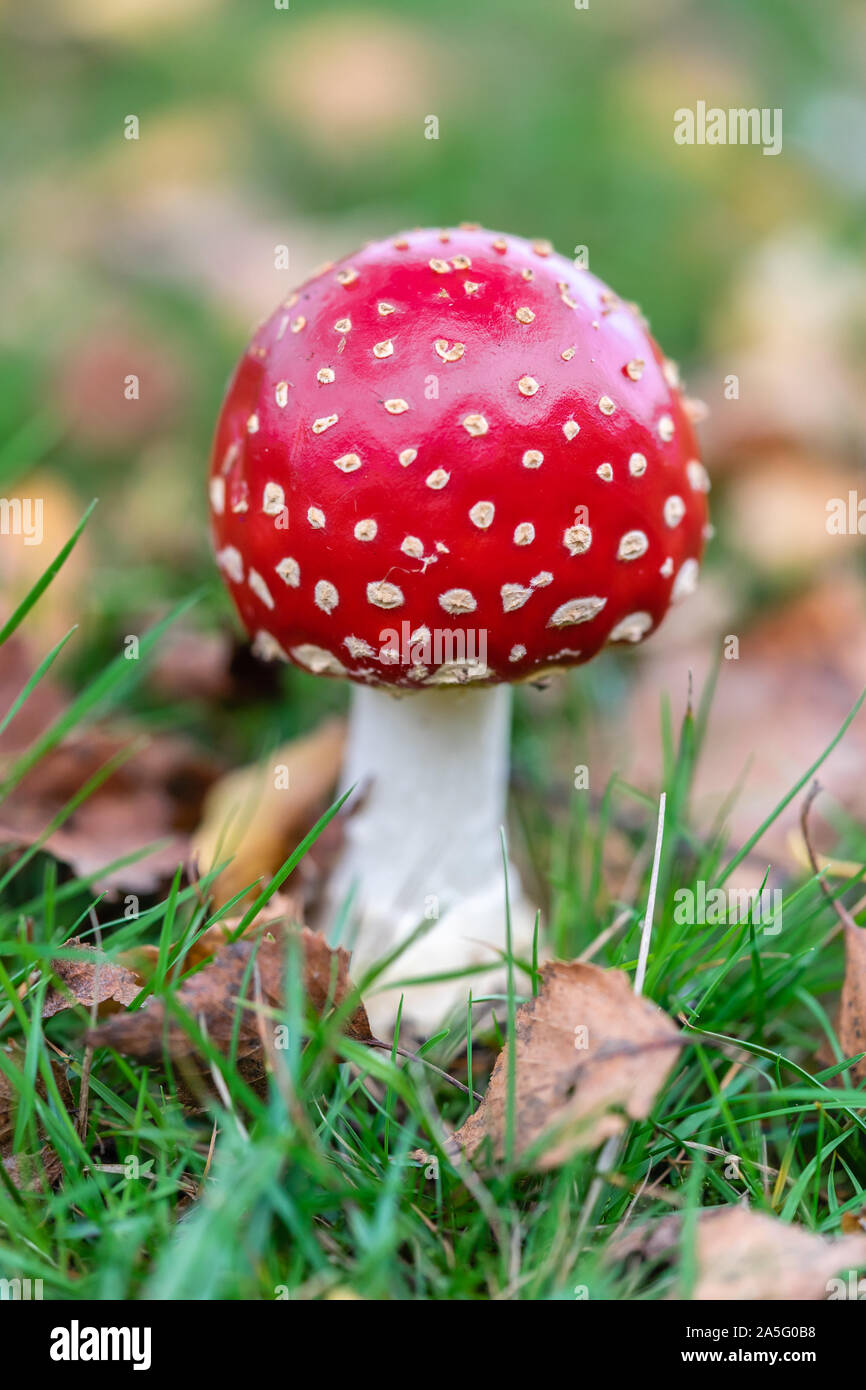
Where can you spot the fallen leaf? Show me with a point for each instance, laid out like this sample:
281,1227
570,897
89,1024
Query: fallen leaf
32,1172
749,1256
587,1048
44,704
211,997
155,796
14,1055
851,1026
99,415
854,1222
191,665
327,982
813,396
27,1169
775,709
212,666
795,489
205,946
143,959
257,815
96,980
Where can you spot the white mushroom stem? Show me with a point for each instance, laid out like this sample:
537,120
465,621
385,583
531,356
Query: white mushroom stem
424,844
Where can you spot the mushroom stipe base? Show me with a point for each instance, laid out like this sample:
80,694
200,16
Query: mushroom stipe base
431,771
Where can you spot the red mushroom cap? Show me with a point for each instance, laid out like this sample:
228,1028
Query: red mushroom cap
454,455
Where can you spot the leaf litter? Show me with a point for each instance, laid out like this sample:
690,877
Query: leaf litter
747,1255
589,1055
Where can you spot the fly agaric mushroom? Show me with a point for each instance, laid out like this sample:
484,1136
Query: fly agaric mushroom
448,463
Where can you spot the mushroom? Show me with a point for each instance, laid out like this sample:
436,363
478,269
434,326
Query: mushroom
452,462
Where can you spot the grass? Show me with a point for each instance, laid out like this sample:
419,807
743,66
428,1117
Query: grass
313,1191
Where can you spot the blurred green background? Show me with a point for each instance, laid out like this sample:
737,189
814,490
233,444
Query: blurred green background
305,127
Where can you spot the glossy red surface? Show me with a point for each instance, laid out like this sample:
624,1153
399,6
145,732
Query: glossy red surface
376,464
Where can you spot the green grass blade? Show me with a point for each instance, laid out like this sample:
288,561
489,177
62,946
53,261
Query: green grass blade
45,665
45,578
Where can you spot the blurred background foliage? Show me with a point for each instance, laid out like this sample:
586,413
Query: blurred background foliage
306,127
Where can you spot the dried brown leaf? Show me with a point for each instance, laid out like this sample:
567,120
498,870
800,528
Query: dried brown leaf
854,1222
749,1256
99,419
783,695
851,1025
44,704
96,980
193,665
257,817
33,1172
797,488
26,1170
211,997
154,796
281,910
8,1098
587,1048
